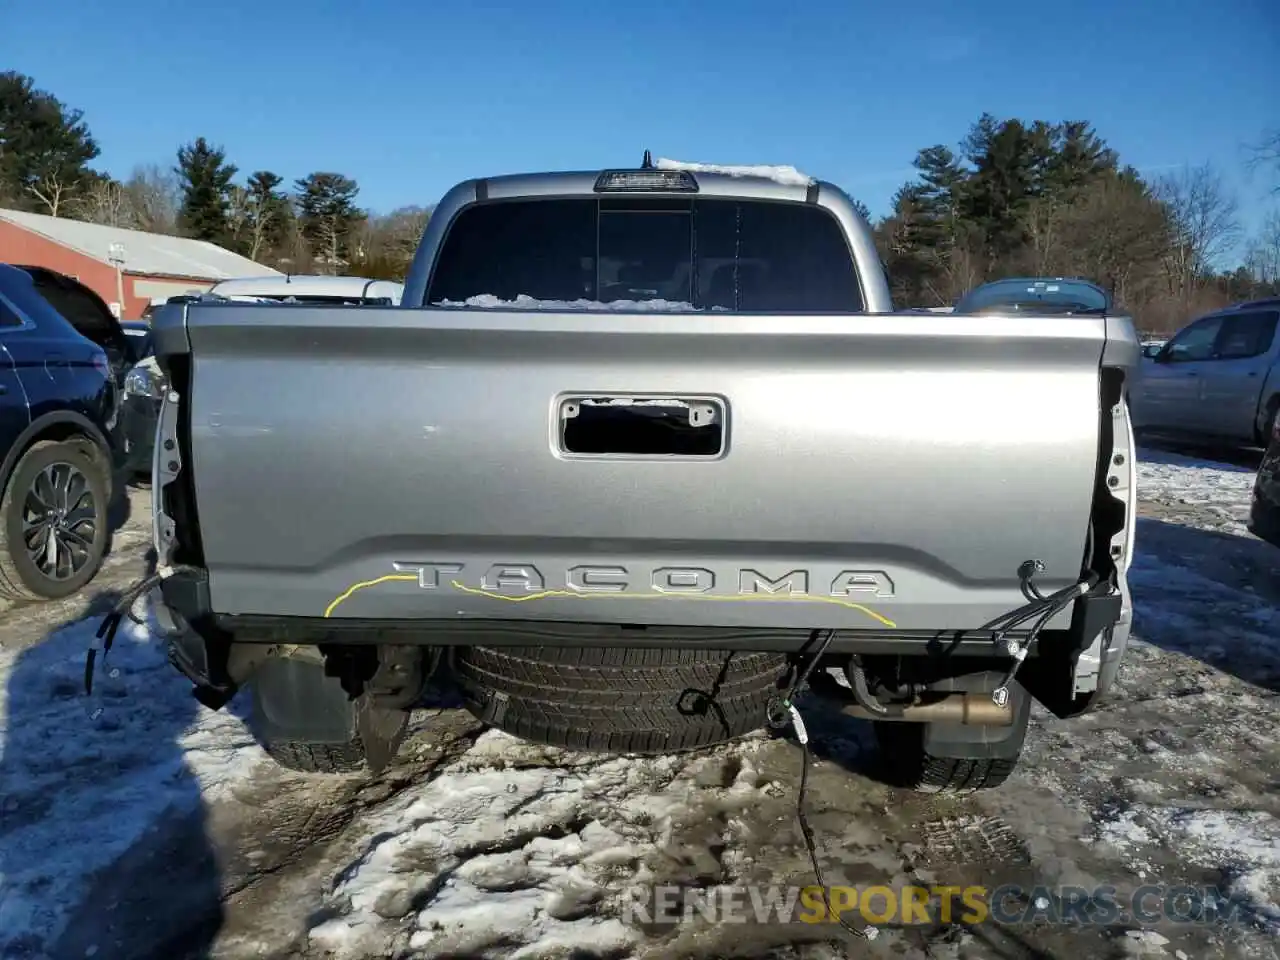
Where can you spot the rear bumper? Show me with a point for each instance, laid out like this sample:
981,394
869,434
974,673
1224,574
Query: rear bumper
1096,623
1093,643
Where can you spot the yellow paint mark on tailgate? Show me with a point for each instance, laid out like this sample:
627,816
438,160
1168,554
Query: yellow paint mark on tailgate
357,587
622,595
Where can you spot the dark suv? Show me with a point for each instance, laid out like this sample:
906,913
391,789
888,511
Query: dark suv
58,406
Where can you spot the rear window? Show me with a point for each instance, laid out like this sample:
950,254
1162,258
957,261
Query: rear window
708,253
80,307
1246,335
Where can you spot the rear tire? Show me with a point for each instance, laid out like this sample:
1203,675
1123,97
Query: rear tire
1271,424
619,699
80,527
911,766
316,757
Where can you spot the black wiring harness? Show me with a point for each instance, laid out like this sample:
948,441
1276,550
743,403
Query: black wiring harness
781,710
1040,608
106,633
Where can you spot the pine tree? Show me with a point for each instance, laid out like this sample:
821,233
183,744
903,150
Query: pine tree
45,147
1005,157
1078,158
327,215
942,179
206,182
269,213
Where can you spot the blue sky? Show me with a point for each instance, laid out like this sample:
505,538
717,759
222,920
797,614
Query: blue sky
409,98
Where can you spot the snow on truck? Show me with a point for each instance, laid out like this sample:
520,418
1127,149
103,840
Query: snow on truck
641,455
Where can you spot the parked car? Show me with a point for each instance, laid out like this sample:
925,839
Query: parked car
125,342
140,404
158,302
523,479
89,314
296,288
1216,380
1042,295
1264,512
58,405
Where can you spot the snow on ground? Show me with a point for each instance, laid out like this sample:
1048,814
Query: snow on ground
496,853
79,786
1207,493
474,843
1244,845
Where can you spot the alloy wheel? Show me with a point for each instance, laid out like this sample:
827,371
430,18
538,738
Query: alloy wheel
59,521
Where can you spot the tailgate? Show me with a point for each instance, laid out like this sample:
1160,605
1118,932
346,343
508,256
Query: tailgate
869,470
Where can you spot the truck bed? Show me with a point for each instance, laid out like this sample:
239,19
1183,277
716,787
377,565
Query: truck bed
878,471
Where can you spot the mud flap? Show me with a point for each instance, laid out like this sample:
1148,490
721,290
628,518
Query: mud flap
294,700
1051,676
379,730
960,741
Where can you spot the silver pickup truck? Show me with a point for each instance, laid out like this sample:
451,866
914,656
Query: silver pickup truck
643,454
1217,379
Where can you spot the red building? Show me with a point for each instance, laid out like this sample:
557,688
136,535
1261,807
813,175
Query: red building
127,268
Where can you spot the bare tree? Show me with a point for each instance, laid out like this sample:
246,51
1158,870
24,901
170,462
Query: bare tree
268,212
239,214
154,194
1263,258
262,224
106,202
52,191
1265,156
383,246
403,229
960,266
1043,222
294,252
1116,232
1202,220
